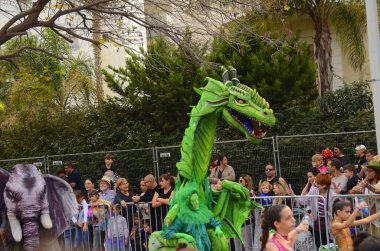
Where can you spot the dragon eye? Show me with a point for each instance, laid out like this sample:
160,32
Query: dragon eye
240,101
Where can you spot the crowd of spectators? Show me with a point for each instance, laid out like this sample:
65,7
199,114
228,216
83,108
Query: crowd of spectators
126,219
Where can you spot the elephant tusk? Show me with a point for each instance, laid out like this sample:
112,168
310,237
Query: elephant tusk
15,229
46,221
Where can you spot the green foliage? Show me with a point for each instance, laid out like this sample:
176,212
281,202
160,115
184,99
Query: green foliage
35,79
283,72
349,108
158,85
105,127
350,99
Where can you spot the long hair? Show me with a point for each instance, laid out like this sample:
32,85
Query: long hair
270,215
282,192
247,178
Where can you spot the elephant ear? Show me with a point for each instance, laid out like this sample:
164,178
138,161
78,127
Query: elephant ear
4,176
62,202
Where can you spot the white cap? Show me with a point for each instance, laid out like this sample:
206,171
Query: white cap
360,147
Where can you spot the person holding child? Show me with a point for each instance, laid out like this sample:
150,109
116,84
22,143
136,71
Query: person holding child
271,177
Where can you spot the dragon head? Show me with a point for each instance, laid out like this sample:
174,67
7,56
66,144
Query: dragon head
242,107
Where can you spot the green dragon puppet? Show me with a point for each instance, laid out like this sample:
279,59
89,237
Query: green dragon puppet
198,216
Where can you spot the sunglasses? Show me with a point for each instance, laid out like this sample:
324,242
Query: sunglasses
269,170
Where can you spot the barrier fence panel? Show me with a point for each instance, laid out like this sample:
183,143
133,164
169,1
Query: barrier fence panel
132,164
107,228
166,158
133,225
294,152
318,234
244,156
39,162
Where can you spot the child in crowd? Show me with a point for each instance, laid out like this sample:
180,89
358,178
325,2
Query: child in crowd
265,191
97,216
317,162
136,234
353,179
343,220
146,235
81,228
117,232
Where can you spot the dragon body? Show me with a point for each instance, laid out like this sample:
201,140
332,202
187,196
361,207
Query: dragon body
242,108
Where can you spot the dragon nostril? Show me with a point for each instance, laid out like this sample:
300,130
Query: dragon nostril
265,113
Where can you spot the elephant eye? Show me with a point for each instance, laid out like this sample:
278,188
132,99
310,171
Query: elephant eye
9,194
14,196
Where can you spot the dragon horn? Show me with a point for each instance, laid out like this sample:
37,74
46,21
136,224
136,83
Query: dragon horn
234,78
225,75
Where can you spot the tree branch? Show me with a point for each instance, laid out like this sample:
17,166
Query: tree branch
17,53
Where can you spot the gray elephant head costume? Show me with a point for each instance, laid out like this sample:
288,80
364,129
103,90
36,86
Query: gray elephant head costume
31,199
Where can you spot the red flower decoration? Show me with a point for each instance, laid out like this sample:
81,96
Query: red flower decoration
327,153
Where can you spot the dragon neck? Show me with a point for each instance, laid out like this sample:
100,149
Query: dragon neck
198,142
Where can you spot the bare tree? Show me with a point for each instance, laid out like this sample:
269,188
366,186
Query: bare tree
120,19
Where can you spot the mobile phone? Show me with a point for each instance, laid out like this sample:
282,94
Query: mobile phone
290,186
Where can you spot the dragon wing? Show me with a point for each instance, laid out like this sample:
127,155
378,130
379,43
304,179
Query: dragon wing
232,207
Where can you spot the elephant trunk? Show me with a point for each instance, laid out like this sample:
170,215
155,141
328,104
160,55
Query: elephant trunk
30,233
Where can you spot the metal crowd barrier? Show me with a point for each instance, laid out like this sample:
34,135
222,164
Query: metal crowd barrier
142,219
106,232
299,205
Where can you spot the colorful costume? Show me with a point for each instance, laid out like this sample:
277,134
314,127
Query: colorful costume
244,109
343,239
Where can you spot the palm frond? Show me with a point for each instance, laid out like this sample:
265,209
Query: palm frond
350,23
